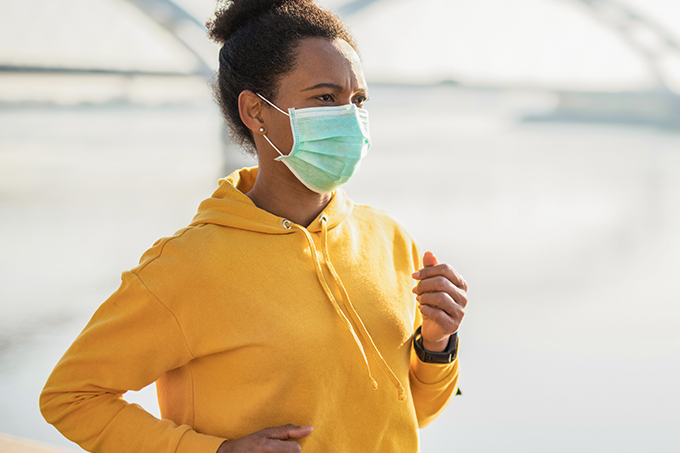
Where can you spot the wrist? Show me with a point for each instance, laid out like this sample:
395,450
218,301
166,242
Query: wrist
435,346
427,355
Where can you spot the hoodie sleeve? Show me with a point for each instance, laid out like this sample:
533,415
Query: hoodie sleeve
432,384
130,342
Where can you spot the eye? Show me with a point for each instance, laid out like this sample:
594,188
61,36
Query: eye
326,98
360,100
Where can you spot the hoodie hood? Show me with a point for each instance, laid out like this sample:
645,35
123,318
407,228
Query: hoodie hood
229,206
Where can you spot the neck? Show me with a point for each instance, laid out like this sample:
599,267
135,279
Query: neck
284,196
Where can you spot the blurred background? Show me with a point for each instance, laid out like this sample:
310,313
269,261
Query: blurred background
533,144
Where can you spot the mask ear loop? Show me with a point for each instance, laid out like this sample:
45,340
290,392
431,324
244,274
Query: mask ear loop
273,145
270,103
265,135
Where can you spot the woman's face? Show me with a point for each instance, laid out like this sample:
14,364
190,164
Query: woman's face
327,73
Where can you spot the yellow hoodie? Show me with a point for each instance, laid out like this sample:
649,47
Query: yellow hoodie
245,321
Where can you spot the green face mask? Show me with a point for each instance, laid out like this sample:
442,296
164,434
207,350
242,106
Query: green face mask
328,144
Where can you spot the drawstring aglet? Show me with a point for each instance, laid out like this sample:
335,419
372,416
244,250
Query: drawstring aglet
402,394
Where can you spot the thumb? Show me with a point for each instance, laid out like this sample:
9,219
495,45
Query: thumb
288,431
429,259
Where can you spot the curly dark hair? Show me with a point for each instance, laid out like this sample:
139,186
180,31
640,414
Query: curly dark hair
259,39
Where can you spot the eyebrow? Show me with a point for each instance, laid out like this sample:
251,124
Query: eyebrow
325,85
334,87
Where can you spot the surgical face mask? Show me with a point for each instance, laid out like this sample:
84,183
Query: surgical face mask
328,144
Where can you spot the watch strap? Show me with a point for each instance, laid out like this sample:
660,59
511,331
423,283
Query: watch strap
448,355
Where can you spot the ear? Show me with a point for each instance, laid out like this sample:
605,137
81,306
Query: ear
250,109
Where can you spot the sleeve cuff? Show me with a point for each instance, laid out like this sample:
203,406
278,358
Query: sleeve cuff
193,442
433,376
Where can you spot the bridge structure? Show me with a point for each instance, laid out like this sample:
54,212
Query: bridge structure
646,37
643,35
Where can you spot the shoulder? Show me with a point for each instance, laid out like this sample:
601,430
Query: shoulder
378,226
372,217
187,254
179,244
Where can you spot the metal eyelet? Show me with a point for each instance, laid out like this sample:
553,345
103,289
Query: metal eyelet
286,224
322,218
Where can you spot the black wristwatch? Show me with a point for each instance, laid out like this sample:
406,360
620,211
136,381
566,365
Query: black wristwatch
448,355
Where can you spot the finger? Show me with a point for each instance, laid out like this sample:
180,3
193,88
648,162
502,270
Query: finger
280,446
442,301
429,259
442,284
286,432
444,270
301,432
447,323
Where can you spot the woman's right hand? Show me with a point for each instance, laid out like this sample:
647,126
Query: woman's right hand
268,440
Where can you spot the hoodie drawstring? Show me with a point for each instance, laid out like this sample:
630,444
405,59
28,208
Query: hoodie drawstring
356,324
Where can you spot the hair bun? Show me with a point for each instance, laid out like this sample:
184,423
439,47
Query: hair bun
234,14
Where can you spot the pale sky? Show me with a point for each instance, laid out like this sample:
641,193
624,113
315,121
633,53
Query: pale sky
554,44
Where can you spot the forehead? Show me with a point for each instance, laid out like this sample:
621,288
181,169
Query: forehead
319,60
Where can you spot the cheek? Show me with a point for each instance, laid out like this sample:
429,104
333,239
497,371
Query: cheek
282,135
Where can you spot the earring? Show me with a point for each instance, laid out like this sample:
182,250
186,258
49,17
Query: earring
262,130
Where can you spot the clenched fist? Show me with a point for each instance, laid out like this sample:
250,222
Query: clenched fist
442,297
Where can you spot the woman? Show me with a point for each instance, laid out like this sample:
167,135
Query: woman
283,316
